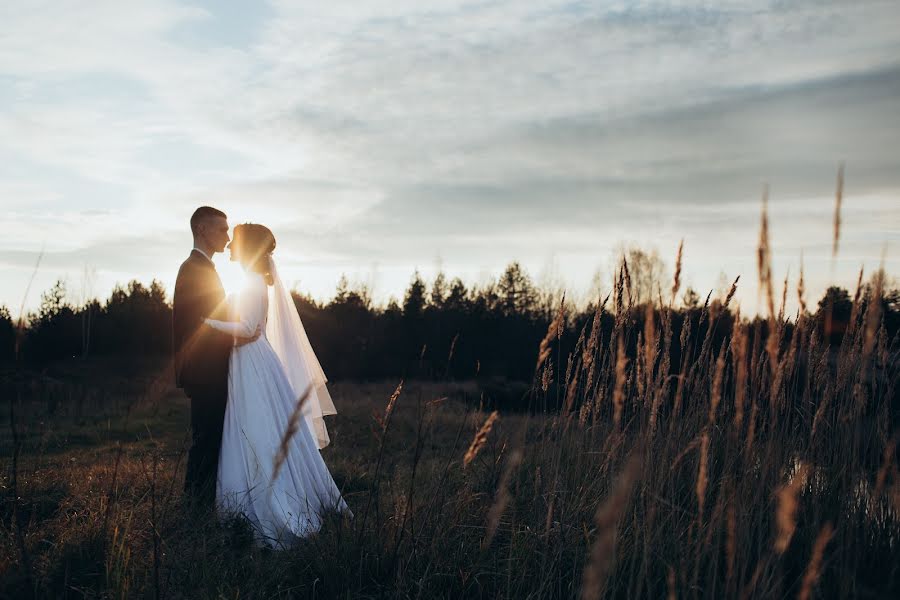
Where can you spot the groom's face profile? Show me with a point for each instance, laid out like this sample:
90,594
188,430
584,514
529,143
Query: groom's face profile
215,232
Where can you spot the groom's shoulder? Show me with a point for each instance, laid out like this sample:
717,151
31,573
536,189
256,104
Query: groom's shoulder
190,265
186,265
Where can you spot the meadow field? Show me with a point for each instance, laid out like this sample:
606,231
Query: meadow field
662,457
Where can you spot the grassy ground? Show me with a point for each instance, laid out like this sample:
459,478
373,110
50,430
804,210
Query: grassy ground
99,486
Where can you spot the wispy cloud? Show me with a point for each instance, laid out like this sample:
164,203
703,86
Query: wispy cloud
392,133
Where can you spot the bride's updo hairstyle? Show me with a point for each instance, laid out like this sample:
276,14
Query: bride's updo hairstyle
255,244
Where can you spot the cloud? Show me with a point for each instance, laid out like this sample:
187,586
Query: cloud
391,132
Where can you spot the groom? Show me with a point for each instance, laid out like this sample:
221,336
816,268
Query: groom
201,353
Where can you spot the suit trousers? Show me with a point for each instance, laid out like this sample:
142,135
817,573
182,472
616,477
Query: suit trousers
207,420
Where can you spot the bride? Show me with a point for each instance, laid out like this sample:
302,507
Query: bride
282,489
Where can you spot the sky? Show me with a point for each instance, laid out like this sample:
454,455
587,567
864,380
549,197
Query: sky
378,137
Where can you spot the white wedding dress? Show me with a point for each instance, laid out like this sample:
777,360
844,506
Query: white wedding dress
265,379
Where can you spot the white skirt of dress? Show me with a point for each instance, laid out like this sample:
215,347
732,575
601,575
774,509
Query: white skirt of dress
260,403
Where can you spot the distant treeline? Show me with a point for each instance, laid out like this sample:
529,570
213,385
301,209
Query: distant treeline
440,329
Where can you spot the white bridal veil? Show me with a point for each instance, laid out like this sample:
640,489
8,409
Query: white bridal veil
288,338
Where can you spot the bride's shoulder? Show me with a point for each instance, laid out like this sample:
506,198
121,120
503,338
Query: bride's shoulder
255,281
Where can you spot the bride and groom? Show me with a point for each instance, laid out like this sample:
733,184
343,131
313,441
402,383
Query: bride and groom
245,362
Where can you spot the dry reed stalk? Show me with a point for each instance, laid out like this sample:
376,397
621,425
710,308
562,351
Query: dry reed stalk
786,514
662,381
838,200
586,410
654,411
763,254
730,540
547,376
501,499
548,520
676,282
437,401
292,427
627,275
718,378
764,268
715,518
599,400
873,314
607,517
882,346
691,445
856,297
751,429
784,293
679,393
801,288
682,342
670,584
820,412
383,420
553,332
754,580
620,292
450,354
480,438
618,392
790,361
772,349
639,367
571,379
739,358
813,570
589,350
859,280
570,362
889,452
589,356
731,293
775,398
650,340
571,388
389,409
702,476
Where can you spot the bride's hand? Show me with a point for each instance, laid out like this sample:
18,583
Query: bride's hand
238,342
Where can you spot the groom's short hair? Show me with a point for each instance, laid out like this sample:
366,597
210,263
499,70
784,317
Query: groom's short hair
203,213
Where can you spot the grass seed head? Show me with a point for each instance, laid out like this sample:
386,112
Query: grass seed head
292,427
838,199
676,281
814,569
788,504
480,438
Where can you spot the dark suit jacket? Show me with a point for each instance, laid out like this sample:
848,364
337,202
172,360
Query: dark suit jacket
201,353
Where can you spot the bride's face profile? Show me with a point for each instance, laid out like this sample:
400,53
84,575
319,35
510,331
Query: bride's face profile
235,253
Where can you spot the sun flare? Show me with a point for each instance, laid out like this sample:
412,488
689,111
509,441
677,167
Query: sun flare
232,275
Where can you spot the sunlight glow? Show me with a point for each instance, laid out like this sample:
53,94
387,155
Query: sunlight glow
232,275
